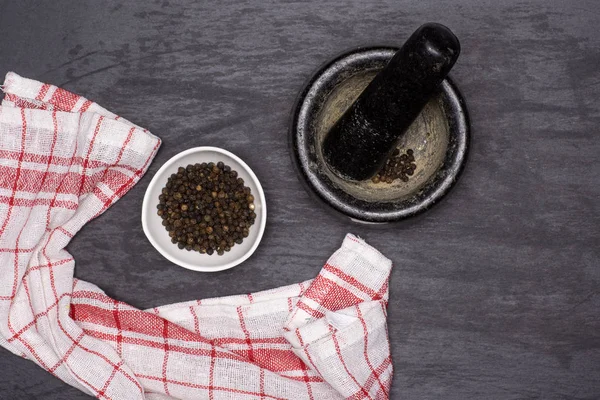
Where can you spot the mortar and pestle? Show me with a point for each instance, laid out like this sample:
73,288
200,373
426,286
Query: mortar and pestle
370,104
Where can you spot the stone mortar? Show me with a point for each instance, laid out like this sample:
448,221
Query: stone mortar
439,138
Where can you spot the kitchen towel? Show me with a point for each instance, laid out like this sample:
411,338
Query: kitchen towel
63,161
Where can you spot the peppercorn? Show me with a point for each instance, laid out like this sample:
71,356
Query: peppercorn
398,166
206,208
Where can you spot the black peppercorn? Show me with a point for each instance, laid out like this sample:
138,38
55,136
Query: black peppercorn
398,166
206,208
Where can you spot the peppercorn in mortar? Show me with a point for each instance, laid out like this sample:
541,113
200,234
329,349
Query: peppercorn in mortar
398,166
206,208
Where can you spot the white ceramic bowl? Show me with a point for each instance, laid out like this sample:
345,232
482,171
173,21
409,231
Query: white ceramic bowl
158,235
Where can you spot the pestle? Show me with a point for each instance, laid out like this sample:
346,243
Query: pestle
361,141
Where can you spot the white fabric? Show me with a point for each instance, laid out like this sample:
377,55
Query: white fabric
63,161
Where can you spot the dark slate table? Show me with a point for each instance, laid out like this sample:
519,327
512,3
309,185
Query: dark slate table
494,293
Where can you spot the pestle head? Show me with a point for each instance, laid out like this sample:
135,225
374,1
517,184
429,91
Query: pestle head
360,142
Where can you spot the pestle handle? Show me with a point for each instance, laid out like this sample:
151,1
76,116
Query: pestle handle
360,142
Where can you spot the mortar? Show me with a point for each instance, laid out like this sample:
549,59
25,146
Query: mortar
438,136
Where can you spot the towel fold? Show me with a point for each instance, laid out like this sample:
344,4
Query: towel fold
63,161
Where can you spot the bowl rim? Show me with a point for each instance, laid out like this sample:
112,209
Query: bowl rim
146,203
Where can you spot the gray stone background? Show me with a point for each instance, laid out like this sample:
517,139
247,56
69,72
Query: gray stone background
494,293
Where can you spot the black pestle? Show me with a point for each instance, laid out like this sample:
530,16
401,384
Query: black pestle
360,142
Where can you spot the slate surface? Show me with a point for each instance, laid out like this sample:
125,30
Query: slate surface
495,292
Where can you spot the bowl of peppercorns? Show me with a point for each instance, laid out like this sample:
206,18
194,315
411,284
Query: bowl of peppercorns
205,210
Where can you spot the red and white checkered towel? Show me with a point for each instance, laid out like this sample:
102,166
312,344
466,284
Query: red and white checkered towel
63,161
